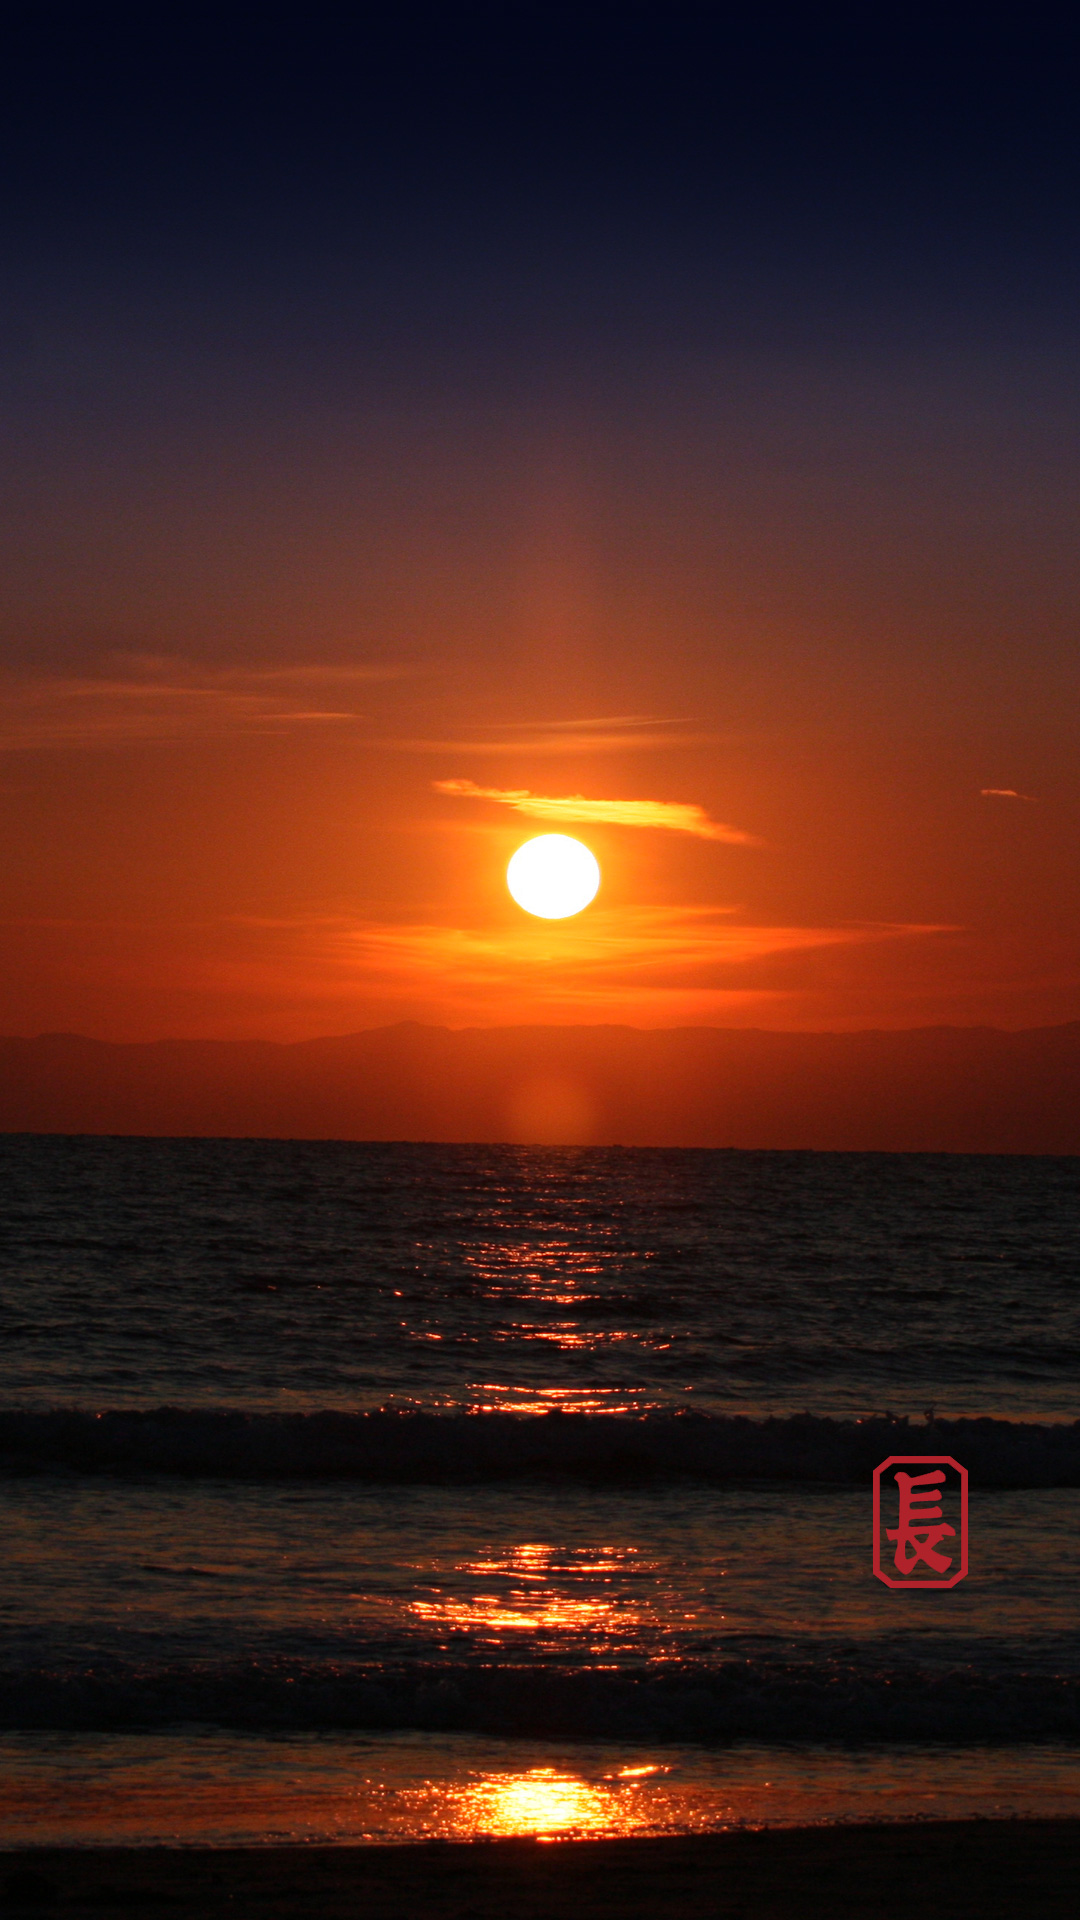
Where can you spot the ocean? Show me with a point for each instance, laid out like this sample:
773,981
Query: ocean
376,1492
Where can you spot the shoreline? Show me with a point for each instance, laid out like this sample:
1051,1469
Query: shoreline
942,1870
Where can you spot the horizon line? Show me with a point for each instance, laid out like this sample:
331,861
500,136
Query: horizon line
530,1026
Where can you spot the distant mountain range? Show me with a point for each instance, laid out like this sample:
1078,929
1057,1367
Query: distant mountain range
932,1089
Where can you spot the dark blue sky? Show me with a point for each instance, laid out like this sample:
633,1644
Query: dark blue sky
938,147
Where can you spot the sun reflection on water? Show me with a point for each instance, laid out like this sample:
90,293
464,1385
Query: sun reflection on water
495,1396
544,1802
532,1602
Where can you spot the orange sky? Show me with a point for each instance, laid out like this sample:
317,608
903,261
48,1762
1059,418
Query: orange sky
289,852
358,515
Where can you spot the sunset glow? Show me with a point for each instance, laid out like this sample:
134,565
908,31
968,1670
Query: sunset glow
367,515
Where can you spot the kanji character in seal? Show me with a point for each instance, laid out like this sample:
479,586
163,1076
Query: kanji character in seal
917,1538
929,1486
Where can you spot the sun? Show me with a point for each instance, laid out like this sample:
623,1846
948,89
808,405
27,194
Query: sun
553,876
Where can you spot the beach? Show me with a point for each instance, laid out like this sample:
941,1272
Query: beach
938,1870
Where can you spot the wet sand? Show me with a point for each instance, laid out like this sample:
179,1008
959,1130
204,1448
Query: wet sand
970,1870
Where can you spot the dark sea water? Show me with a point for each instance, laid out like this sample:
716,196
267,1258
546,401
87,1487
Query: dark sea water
373,1491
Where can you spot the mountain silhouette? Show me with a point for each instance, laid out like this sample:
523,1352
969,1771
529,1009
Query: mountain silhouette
933,1089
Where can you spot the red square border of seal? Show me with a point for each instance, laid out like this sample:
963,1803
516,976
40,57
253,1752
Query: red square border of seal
922,1460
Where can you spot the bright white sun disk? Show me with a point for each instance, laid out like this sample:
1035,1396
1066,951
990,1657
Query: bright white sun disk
553,876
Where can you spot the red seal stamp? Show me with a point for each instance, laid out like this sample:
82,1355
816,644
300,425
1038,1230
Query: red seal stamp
920,1520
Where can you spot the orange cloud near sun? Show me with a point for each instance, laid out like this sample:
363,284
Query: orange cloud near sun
626,963
676,816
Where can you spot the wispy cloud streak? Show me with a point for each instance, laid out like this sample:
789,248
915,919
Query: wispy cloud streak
616,733
625,941
676,816
602,954
146,698
1005,793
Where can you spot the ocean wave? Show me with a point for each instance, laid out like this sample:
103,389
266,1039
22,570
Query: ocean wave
422,1448
738,1700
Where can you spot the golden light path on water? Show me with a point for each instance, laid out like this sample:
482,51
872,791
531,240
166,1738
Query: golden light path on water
134,1804
218,1789
547,1803
532,1603
495,1396
522,1281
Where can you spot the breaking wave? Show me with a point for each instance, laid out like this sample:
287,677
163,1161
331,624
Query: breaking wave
738,1700
422,1448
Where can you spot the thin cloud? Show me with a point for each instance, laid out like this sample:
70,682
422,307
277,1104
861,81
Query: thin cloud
150,698
602,721
602,956
675,815
1006,793
650,966
617,733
